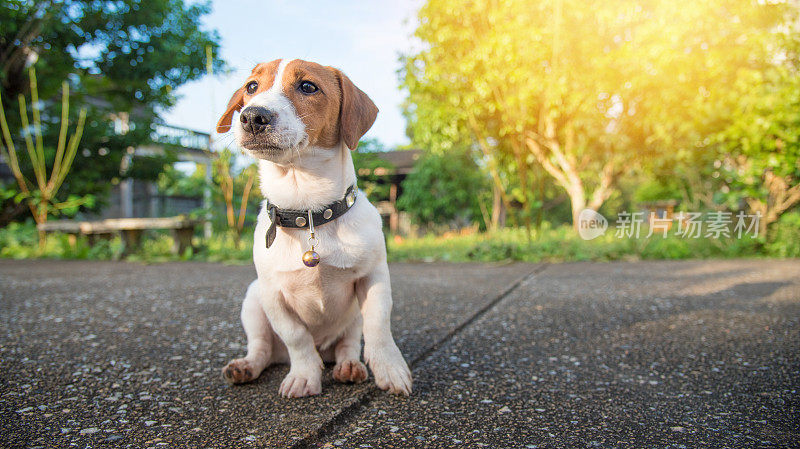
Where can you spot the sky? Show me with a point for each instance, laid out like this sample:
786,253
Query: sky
362,38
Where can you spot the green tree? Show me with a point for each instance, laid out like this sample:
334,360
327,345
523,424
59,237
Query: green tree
759,150
586,90
444,188
123,60
175,182
734,144
373,172
41,193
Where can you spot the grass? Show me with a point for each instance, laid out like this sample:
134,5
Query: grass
560,244
20,241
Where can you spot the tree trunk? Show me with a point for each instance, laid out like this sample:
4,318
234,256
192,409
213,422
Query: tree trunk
498,209
781,196
40,217
577,200
522,168
540,214
563,168
237,239
768,215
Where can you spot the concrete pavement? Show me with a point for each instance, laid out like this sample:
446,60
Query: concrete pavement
693,353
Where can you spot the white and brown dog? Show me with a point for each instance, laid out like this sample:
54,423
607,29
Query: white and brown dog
300,120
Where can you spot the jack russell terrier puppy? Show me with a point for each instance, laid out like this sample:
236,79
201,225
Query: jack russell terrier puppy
319,249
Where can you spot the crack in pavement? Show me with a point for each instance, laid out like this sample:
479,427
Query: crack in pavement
344,416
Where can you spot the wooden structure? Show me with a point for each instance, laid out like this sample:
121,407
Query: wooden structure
137,198
402,163
130,229
659,211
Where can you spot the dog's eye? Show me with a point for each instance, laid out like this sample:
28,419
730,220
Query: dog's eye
307,87
251,87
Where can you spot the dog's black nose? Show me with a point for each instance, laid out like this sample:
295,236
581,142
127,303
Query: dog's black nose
255,119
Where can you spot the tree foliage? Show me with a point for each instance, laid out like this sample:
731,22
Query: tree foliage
444,189
758,152
373,172
123,59
588,92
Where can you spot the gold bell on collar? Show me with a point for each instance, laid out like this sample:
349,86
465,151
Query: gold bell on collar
311,257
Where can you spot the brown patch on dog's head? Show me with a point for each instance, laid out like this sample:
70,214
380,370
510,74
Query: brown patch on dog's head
319,111
337,111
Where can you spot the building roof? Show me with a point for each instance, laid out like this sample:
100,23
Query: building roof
402,160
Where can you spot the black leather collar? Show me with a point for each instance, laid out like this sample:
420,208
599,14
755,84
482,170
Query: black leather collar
289,218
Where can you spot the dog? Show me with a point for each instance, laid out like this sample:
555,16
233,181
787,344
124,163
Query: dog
300,120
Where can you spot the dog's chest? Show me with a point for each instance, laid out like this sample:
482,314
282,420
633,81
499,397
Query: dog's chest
320,295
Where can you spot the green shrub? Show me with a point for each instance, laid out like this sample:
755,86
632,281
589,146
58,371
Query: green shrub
784,239
443,188
20,241
562,244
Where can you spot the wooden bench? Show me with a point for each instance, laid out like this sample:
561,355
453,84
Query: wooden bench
130,229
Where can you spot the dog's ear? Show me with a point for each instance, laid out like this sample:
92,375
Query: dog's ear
236,102
357,112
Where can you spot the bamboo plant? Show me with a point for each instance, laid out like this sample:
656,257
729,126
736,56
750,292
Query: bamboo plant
40,193
226,181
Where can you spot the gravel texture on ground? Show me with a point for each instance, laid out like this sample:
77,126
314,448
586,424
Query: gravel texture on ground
634,354
131,354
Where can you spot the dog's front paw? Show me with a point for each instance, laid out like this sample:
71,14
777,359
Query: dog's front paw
350,371
389,368
238,371
298,386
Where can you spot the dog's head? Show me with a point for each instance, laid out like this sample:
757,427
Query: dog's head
289,105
